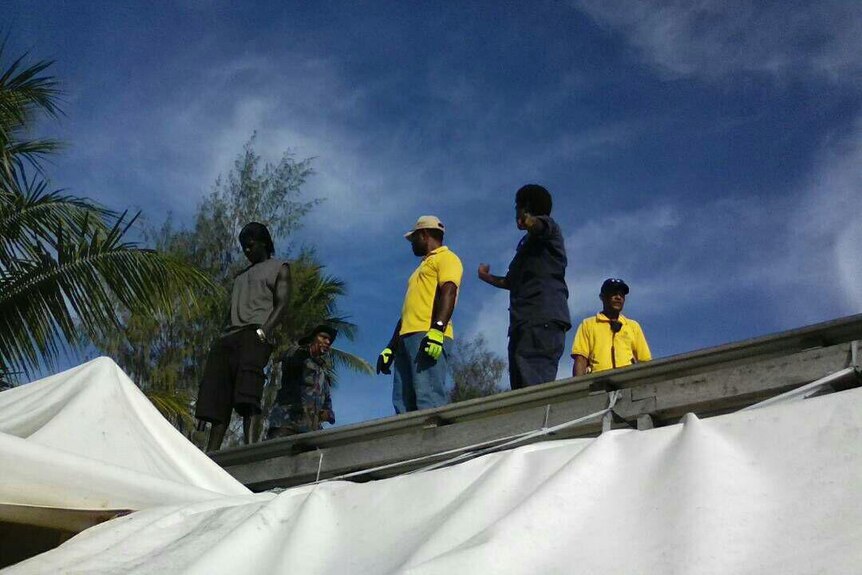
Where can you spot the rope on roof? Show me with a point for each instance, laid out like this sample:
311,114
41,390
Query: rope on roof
478,449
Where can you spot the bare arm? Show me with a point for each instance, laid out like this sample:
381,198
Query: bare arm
395,335
444,304
496,281
281,300
580,367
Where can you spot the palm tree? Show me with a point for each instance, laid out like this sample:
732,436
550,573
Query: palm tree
66,267
314,302
24,92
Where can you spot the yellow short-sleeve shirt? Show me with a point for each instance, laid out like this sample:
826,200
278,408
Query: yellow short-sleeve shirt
595,339
437,268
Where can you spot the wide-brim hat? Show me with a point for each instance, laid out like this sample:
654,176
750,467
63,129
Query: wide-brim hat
322,328
426,223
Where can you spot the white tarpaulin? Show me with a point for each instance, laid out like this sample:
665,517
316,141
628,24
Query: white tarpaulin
772,490
86,441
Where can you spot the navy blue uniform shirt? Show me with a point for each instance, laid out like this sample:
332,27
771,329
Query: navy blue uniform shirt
537,278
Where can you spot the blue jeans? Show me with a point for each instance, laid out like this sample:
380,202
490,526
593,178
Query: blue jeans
420,382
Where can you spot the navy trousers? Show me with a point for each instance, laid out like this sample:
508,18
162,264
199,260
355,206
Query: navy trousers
534,352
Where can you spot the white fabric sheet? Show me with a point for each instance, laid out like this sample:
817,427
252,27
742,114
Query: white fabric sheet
88,440
773,490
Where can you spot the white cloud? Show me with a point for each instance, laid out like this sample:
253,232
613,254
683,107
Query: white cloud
848,248
801,251
713,38
829,225
176,149
492,319
374,175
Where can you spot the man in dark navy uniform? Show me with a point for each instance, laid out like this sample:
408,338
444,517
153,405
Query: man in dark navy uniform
538,295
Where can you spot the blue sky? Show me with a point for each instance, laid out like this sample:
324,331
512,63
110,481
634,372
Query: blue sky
707,152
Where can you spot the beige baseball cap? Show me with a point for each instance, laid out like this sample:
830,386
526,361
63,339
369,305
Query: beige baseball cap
427,223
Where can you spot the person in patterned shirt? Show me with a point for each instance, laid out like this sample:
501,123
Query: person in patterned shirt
304,402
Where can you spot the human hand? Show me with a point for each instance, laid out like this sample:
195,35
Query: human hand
327,416
485,272
528,220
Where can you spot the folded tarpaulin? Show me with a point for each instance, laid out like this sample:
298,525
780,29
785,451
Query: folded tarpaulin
771,490
80,445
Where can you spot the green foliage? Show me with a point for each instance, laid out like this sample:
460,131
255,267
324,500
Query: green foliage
166,353
476,371
25,92
314,301
7,379
173,406
66,266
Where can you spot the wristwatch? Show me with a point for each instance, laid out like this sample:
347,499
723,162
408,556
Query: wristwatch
439,325
261,335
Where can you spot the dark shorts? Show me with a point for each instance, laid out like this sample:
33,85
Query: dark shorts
534,352
233,377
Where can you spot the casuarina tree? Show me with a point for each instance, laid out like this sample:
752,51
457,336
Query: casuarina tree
476,370
166,353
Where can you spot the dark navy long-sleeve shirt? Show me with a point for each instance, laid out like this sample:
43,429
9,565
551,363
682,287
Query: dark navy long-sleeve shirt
537,278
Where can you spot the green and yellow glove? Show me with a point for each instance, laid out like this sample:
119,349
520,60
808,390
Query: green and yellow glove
434,343
384,361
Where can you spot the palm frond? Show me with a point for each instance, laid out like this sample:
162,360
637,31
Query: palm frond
45,302
24,91
341,358
173,405
25,87
31,216
8,379
15,154
345,328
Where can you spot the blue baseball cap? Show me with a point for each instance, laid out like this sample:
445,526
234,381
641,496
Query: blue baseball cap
614,285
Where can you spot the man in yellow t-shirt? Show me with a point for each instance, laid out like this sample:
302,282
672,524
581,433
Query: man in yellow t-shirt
609,339
421,343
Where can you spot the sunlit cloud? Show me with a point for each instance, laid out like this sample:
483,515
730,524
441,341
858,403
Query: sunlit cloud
715,38
638,116
828,227
803,250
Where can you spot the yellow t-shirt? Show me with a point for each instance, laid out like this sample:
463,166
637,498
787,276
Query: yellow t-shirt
437,268
595,339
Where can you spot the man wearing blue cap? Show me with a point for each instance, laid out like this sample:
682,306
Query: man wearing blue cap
609,340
